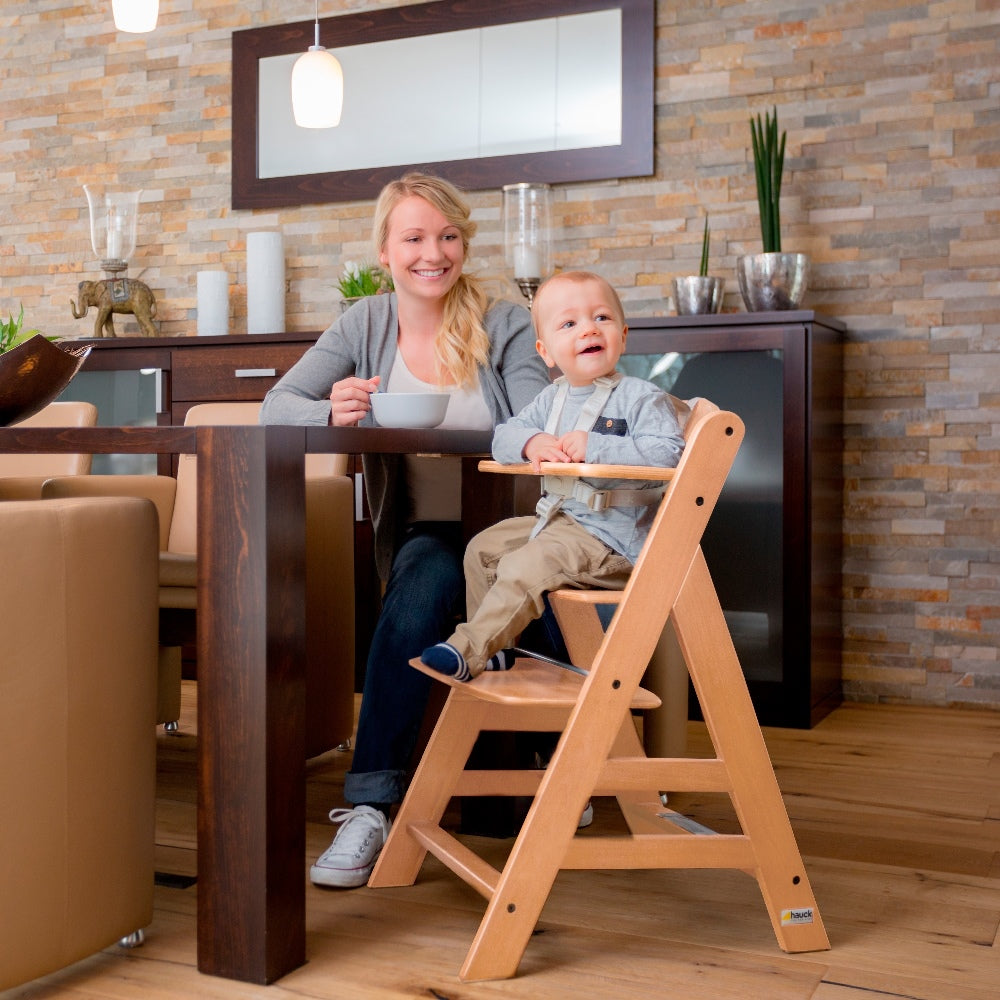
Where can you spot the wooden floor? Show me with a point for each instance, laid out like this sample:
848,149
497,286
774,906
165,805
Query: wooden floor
897,813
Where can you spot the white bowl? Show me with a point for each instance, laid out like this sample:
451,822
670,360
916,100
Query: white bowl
409,409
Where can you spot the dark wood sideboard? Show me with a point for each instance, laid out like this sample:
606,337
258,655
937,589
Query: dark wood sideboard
774,543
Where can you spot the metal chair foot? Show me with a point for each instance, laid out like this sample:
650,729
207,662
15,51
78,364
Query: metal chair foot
345,746
172,727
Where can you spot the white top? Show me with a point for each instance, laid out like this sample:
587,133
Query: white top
434,484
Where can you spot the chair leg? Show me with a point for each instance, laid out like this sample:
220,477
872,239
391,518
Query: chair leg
539,850
430,791
736,736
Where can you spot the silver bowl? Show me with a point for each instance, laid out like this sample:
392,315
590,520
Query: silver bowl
695,295
770,282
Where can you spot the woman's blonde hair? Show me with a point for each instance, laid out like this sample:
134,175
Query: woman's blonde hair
462,345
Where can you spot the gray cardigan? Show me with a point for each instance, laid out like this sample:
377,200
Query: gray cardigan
362,342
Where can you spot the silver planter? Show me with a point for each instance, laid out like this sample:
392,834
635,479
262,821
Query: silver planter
698,296
770,282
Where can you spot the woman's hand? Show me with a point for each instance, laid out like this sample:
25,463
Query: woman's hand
350,400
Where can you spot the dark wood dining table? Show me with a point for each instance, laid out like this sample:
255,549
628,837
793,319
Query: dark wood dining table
251,654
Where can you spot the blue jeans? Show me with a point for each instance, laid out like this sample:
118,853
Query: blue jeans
425,591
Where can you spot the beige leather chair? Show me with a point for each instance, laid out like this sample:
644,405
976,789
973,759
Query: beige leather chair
21,476
77,741
329,574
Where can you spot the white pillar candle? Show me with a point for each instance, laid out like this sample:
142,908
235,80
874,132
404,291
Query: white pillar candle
213,303
265,283
527,262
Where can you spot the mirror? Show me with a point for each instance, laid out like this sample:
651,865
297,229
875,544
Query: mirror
545,90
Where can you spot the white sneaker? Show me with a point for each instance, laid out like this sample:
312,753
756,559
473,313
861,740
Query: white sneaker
349,860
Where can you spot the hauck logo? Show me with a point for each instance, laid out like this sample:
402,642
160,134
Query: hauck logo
802,916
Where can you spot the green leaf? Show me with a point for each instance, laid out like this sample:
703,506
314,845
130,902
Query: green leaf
769,164
703,268
11,333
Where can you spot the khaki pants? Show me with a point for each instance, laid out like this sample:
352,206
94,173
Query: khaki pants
506,576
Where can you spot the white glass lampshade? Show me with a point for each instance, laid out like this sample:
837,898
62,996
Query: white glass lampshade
135,16
527,229
317,89
114,212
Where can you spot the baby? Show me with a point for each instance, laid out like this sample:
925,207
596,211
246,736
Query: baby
586,532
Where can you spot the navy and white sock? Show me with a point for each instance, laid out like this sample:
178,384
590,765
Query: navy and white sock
502,660
447,660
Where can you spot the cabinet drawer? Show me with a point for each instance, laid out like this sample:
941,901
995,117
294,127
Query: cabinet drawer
243,372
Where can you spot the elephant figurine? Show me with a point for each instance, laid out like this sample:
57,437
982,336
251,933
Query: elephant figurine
117,295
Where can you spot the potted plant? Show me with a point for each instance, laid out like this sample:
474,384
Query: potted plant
770,280
11,333
361,280
699,294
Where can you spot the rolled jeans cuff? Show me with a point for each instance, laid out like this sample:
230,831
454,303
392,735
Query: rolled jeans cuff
381,787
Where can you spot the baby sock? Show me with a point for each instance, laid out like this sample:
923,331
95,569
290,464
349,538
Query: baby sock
502,660
445,659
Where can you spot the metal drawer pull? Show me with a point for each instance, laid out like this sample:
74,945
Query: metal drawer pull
256,372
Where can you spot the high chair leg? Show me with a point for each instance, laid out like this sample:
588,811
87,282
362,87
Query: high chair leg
732,724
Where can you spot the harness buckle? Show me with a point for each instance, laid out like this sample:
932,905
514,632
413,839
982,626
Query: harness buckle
598,501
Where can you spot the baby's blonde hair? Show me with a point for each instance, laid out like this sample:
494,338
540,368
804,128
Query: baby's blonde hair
462,346
577,277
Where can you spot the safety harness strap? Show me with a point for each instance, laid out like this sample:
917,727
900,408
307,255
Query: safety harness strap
559,488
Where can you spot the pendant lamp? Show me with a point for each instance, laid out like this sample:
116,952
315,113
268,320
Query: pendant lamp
317,86
135,16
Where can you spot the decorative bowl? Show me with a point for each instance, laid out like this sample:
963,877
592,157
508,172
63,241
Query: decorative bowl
33,374
409,409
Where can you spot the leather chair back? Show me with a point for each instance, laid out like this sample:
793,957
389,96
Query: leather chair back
183,526
33,470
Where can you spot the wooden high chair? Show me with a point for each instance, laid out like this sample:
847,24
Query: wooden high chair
599,753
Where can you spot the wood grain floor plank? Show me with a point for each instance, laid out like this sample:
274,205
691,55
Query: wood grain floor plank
896,810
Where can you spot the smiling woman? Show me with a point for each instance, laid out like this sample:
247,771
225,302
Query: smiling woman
553,89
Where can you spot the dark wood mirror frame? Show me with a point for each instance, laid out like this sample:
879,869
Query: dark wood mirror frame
632,158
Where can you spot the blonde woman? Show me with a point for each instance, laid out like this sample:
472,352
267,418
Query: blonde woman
437,330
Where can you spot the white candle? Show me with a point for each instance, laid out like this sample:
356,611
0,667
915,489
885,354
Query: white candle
114,238
213,303
527,262
265,283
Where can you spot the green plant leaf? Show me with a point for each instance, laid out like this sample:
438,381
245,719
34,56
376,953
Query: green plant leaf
769,164
363,279
703,267
11,333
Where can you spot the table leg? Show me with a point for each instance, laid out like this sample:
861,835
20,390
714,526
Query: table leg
251,702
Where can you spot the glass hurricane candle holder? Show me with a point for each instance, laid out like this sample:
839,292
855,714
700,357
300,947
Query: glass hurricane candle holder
527,234
114,212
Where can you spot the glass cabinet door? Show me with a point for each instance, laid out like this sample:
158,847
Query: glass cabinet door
129,398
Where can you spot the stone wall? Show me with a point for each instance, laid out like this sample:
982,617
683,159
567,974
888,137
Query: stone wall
892,186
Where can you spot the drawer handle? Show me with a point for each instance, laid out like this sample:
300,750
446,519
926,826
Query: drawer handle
256,372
